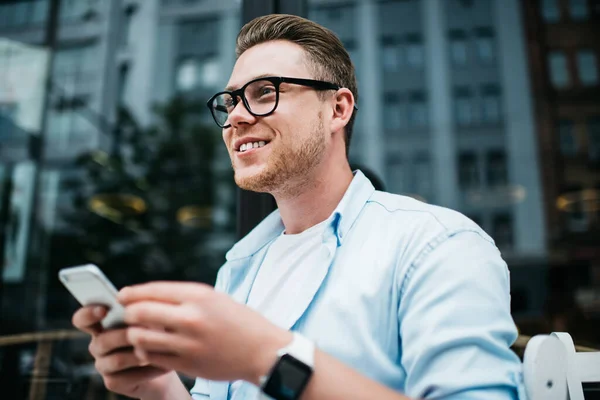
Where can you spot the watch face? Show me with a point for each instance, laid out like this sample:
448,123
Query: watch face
287,379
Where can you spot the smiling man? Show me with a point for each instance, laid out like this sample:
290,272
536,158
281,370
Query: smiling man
344,292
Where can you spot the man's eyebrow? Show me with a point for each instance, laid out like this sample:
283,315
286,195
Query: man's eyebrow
233,87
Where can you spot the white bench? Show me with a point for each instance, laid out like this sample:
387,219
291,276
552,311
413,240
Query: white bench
554,370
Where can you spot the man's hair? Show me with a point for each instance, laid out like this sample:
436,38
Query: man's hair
327,56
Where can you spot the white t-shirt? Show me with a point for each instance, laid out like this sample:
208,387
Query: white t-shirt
288,264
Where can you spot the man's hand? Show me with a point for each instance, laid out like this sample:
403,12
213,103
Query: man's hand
121,370
199,332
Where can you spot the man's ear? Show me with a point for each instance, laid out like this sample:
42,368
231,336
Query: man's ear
342,107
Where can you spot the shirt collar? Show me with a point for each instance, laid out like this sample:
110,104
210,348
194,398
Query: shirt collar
341,220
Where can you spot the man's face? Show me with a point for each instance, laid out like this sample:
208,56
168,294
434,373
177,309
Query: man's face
294,135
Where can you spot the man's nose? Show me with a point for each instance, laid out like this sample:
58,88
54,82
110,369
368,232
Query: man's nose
240,115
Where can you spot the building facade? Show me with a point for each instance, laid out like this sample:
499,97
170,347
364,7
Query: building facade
564,52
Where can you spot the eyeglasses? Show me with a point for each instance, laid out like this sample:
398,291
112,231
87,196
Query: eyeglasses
260,96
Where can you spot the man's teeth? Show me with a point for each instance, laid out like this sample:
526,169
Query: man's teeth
248,146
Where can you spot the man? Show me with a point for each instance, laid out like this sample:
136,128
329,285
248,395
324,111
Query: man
387,297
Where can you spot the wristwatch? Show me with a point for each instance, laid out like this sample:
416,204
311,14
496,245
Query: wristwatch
292,370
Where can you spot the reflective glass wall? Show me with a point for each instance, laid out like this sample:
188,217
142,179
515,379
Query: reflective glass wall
108,155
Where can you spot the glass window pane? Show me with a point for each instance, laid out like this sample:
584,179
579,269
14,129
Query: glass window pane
579,9
491,110
39,11
396,173
502,230
468,171
587,66
559,72
497,173
422,179
391,56
484,44
550,10
22,13
567,140
593,129
392,112
463,106
7,19
414,51
418,109
458,48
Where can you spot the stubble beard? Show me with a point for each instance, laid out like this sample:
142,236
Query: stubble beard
288,169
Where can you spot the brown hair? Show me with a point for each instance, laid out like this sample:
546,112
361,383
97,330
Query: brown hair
326,53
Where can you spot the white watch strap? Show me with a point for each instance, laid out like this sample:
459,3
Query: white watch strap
301,348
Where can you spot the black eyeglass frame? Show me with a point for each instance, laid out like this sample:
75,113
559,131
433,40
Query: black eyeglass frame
276,81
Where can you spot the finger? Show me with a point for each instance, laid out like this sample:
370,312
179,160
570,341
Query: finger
87,319
108,342
167,292
148,341
169,362
119,380
118,361
157,314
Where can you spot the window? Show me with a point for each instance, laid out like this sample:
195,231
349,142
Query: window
39,11
352,49
577,218
8,113
566,135
392,113
579,9
463,106
193,73
502,230
414,51
458,47
77,10
491,108
391,54
21,13
75,68
17,14
422,176
417,109
468,171
550,10
396,172
559,73
484,44
587,67
497,174
593,129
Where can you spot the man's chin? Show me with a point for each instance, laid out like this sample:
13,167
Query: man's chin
253,182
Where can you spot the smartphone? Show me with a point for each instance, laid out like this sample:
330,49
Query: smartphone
88,284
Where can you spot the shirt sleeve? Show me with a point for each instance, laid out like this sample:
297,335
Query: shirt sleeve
201,390
455,323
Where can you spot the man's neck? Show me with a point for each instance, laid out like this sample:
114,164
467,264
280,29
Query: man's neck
316,200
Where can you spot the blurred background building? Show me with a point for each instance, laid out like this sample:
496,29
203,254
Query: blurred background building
489,107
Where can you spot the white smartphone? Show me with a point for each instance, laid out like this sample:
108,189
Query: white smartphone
88,284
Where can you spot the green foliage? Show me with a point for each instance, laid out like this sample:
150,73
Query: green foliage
132,211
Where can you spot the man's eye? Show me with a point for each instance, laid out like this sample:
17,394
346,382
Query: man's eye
266,90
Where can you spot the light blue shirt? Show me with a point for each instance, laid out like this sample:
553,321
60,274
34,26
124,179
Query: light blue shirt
413,296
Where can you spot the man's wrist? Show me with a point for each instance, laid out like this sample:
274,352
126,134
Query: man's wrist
166,387
266,357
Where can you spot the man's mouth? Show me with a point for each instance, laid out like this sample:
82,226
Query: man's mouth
252,145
